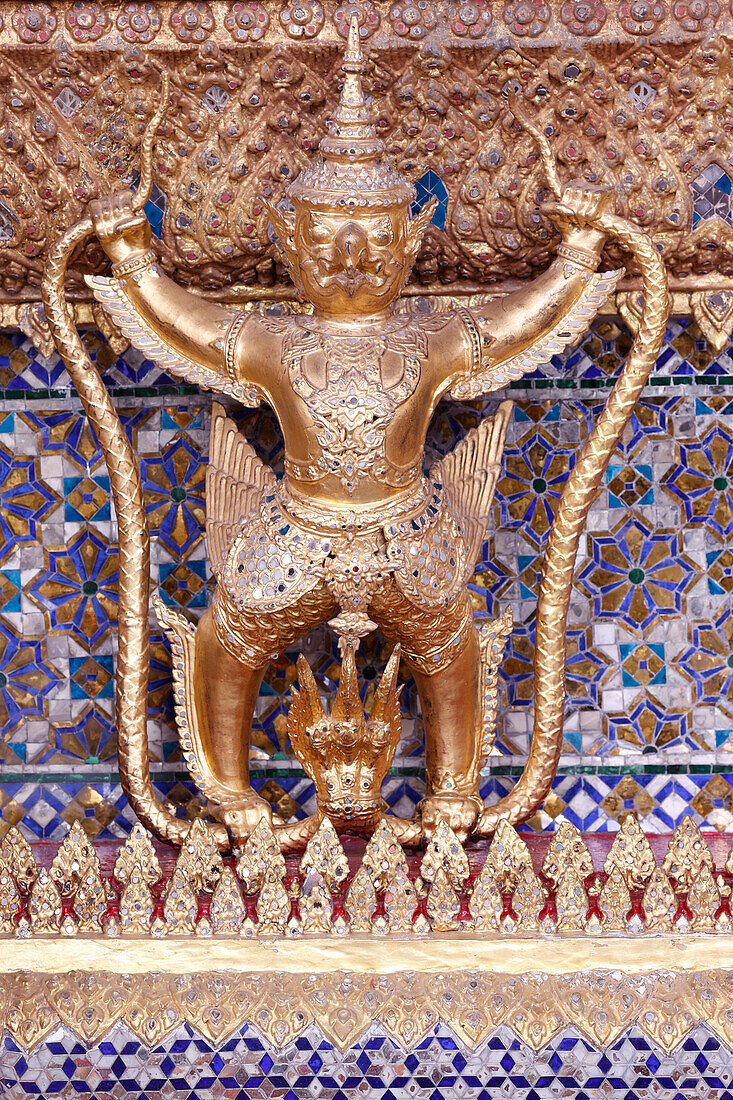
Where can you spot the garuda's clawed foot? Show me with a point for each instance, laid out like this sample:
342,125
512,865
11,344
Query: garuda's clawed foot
242,814
460,811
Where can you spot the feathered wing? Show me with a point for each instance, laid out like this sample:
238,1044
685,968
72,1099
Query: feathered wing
111,295
469,474
235,481
566,331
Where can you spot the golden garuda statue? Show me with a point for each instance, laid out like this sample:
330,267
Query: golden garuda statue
355,533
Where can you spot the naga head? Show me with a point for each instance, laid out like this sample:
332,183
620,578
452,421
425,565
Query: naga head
346,234
347,755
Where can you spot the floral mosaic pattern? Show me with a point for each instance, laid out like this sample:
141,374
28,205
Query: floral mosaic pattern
650,633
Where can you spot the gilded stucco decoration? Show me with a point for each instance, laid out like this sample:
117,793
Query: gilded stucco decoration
649,120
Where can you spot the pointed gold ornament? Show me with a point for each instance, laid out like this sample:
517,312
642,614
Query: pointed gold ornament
528,900
687,853
181,904
571,902
400,902
324,854
486,903
614,901
631,854
226,912
260,855
445,850
273,906
44,905
567,852
383,855
361,901
507,857
9,899
659,903
703,901
16,852
137,852
316,907
199,857
74,857
442,904
136,903
90,899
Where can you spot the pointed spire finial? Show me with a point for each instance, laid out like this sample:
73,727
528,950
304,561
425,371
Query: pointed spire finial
354,61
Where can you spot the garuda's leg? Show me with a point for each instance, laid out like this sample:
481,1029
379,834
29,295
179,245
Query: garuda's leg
441,649
233,650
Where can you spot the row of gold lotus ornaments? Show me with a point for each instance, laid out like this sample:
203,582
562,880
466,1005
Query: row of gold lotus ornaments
207,896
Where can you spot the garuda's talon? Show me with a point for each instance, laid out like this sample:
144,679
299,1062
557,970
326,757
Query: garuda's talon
459,811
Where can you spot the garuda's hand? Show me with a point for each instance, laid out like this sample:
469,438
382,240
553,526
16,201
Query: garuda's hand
576,212
121,230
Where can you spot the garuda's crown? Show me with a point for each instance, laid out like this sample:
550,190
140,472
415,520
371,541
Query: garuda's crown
351,168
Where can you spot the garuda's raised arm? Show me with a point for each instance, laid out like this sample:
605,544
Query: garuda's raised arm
188,336
513,335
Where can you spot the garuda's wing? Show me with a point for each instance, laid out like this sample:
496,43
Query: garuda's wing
569,328
469,474
111,295
235,481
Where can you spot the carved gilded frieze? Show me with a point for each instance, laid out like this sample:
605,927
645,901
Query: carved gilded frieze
252,86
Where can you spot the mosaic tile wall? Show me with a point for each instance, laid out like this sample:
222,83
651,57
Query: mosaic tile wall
187,1066
649,722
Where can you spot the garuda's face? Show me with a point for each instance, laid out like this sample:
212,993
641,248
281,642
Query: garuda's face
352,263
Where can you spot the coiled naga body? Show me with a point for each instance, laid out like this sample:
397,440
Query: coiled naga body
355,533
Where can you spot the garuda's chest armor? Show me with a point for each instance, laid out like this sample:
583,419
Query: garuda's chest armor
351,404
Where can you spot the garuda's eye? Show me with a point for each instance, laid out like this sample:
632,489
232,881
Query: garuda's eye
383,233
319,233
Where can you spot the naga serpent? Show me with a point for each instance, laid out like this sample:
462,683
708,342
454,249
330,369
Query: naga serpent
557,575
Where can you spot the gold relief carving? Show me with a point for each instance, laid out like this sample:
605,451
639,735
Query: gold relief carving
444,851
631,854
180,907
666,1004
660,903
361,901
507,857
713,311
614,901
528,900
75,857
152,1014
44,905
136,903
17,855
570,902
703,901
442,904
325,856
227,905
567,852
88,1003
137,853
260,857
687,853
